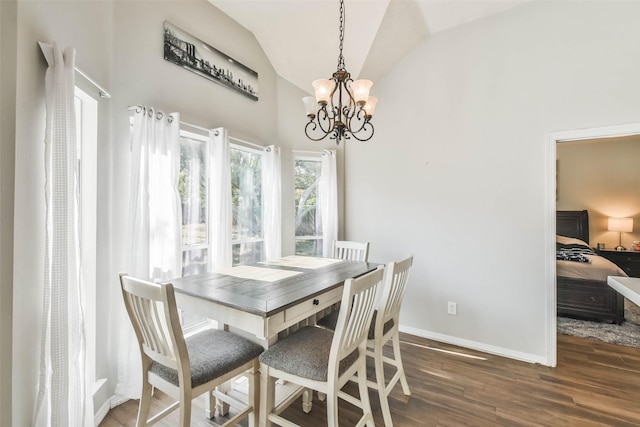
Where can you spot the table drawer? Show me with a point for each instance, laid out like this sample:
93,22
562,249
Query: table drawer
313,305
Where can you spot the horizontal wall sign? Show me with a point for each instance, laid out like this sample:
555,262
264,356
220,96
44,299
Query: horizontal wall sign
183,49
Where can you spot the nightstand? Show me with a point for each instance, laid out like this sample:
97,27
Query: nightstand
629,261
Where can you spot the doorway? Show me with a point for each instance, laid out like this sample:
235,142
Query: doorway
551,191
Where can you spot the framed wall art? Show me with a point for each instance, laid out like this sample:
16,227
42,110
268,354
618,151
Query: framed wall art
191,53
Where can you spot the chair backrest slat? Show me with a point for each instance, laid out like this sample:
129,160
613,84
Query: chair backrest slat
351,251
357,306
396,278
153,314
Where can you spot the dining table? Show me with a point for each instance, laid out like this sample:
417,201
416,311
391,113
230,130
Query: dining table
263,300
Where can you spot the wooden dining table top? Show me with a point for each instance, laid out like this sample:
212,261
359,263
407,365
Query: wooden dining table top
266,288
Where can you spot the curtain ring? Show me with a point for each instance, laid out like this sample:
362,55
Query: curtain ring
150,112
170,119
159,115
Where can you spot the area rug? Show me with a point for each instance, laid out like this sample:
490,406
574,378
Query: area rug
628,333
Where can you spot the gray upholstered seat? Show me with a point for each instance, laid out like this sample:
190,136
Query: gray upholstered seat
305,353
330,320
317,359
212,353
186,368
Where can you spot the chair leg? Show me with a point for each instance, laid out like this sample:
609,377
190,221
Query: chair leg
363,389
332,408
185,409
398,358
267,395
381,384
145,404
254,396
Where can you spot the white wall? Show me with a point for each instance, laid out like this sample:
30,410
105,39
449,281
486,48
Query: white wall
456,172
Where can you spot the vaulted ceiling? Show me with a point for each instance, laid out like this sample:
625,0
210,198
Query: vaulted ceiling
301,37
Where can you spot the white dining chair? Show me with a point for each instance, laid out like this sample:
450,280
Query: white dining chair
351,251
322,360
185,368
384,328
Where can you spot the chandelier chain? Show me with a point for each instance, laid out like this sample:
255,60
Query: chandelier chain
341,65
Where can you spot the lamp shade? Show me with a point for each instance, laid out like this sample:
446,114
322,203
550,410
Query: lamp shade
370,106
624,225
361,90
310,105
323,89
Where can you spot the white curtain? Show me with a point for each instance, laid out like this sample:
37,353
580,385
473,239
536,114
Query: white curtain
64,395
272,202
220,222
328,201
154,247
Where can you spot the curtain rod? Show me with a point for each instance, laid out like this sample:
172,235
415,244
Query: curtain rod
138,108
102,91
242,141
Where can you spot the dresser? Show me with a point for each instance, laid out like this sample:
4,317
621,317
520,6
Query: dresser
628,261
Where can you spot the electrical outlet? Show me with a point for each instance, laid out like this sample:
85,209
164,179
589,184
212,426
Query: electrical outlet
452,308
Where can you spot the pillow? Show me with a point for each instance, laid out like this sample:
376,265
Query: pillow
570,241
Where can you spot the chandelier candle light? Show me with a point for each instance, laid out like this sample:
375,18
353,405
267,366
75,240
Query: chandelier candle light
342,108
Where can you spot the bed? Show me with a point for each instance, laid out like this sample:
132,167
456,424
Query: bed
582,290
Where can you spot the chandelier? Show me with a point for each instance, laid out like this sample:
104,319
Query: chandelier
342,107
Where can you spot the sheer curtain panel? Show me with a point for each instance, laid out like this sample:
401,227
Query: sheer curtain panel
272,205
328,201
220,256
154,236
64,397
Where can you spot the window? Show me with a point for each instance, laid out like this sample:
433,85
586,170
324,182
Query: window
308,234
192,186
86,109
246,200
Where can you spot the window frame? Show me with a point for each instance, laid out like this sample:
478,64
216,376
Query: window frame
313,157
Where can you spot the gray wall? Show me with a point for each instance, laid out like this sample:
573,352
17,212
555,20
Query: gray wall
7,155
461,168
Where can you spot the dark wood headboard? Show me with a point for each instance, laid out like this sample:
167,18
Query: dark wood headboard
573,224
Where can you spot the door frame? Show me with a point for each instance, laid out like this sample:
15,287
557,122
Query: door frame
554,138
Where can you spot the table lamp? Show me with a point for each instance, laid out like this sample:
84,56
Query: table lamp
620,225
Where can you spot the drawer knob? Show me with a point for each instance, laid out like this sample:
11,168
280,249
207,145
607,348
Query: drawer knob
316,301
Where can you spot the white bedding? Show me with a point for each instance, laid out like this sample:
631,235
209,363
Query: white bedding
598,269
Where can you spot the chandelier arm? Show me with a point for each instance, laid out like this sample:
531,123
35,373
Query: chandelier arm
360,117
325,117
367,127
313,128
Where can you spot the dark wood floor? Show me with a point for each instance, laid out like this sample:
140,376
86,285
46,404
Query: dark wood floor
594,384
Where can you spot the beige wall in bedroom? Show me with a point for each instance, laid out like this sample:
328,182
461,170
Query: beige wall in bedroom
602,176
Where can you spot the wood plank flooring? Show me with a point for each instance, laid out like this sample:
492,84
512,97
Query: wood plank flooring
594,384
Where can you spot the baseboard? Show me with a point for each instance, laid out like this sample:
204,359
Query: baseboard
101,413
473,345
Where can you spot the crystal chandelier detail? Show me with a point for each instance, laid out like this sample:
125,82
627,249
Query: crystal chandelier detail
342,107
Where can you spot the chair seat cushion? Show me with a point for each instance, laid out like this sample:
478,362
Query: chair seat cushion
331,320
305,353
212,353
